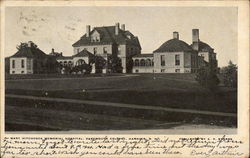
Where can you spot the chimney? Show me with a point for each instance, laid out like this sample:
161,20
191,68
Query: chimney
52,51
195,39
123,27
30,43
175,35
117,26
87,30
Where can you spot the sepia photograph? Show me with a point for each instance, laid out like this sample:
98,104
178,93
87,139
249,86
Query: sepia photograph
120,68
124,79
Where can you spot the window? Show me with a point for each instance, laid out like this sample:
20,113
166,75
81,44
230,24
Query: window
142,62
105,50
177,70
136,63
22,72
148,62
136,70
95,50
162,60
177,59
78,50
162,70
13,64
28,64
65,63
22,63
97,39
13,72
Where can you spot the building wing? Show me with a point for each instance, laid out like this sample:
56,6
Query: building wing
108,35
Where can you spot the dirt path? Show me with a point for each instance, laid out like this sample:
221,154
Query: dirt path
122,105
68,78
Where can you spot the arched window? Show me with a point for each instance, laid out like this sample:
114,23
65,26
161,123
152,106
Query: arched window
65,63
142,62
136,63
148,62
80,62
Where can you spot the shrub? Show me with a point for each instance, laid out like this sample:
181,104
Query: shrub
114,64
230,75
207,77
84,68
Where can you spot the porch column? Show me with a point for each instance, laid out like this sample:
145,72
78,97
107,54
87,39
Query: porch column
124,70
93,68
104,69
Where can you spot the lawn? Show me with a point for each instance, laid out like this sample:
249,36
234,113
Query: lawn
167,90
163,90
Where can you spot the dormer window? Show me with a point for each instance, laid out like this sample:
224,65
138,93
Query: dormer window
95,39
95,36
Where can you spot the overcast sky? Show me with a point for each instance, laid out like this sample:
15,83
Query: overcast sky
60,27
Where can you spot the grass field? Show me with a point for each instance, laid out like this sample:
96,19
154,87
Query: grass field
179,91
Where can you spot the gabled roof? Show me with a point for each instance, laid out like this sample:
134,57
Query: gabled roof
83,53
143,55
107,35
174,45
203,46
30,52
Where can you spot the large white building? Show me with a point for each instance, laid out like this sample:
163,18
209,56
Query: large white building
109,41
103,47
176,56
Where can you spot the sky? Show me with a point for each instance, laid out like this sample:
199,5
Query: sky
60,27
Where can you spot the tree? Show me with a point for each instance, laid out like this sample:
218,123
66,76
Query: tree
25,45
21,46
207,77
100,63
114,64
230,75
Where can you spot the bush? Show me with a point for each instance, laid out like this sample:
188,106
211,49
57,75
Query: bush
84,68
207,77
114,64
230,75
